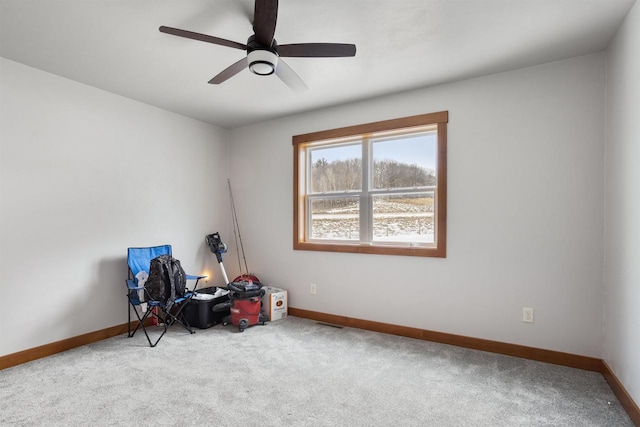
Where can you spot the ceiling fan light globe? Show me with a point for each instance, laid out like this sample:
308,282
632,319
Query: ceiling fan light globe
262,68
262,62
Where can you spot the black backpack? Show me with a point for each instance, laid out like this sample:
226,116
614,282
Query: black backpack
167,280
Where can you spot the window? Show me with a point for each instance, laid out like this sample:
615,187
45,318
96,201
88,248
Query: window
376,188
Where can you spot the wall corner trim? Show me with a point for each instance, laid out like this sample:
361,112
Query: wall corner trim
621,393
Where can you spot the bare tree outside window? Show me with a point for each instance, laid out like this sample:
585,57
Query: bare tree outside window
381,191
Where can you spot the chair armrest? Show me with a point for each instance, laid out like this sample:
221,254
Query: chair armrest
132,285
197,279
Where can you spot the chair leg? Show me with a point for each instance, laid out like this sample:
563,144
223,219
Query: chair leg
179,318
141,320
164,314
164,331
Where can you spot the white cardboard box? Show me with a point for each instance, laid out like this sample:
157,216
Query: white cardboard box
274,303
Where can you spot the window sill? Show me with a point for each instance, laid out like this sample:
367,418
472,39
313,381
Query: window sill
422,251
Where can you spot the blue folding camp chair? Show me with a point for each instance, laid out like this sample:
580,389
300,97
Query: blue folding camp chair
165,312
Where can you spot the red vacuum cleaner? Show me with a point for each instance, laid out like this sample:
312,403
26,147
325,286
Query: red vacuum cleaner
246,301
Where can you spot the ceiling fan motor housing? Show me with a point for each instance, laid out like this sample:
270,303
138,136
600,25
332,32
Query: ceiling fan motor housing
262,60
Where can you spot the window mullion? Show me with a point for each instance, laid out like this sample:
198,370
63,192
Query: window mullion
366,211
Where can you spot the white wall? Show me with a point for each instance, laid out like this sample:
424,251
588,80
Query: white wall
622,224
86,174
525,199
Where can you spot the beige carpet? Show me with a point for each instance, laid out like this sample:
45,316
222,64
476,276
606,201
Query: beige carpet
296,372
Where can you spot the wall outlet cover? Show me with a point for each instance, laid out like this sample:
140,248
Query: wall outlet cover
527,314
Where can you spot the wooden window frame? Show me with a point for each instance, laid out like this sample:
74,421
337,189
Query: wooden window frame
300,142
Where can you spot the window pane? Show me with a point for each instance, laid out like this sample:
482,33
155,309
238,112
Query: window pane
404,218
407,161
335,219
337,168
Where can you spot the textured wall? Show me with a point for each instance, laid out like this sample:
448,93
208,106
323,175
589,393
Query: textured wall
622,226
525,212
86,174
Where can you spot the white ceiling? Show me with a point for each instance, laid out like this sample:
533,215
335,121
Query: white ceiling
115,45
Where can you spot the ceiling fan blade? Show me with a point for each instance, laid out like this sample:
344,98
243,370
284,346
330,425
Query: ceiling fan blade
317,50
202,37
289,77
229,72
265,16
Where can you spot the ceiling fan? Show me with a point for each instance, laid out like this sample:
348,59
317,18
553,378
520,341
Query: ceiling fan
263,53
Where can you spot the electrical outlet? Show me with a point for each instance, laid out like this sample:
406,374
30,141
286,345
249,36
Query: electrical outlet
527,314
313,289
